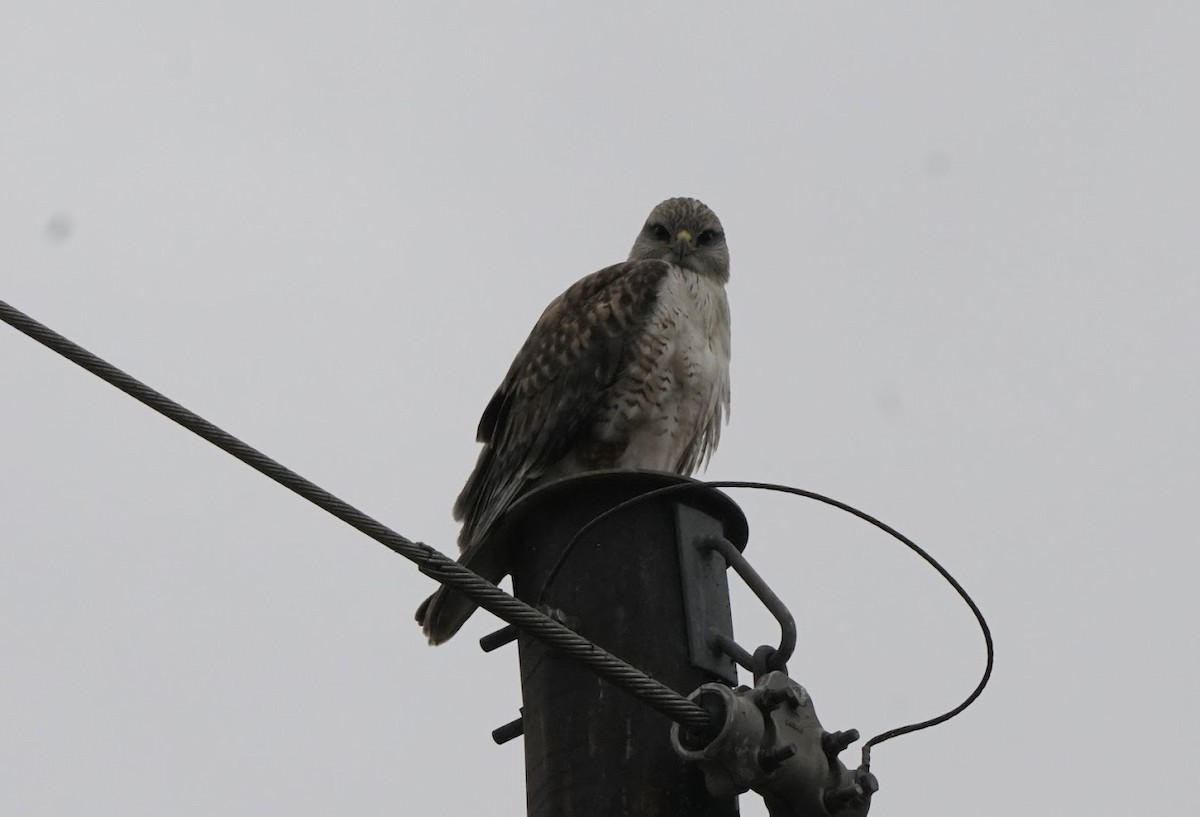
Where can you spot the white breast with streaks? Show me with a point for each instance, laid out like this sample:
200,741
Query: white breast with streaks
680,377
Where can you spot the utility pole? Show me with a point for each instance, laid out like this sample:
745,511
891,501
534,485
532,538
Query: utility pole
590,748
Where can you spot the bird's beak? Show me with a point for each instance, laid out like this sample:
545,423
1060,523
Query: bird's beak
683,244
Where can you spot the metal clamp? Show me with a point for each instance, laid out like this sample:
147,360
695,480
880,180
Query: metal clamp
769,739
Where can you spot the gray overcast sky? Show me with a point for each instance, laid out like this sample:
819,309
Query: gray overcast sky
965,289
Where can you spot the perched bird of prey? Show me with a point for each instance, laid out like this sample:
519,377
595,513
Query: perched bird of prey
627,369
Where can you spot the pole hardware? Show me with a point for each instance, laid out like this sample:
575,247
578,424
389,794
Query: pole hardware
494,641
787,623
509,731
705,587
769,739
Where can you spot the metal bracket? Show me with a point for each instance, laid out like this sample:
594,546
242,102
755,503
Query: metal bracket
774,658
707,614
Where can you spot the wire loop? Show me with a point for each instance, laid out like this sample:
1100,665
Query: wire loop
739,654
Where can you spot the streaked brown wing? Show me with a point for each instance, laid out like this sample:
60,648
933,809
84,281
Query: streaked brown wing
554,387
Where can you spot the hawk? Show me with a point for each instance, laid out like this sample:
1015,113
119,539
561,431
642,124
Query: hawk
627,369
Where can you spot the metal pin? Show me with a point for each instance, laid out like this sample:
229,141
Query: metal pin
510,730
494,641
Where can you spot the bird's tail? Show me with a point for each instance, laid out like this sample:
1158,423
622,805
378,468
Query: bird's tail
444,613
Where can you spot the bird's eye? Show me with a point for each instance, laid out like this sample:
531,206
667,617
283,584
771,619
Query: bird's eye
707,238
657,231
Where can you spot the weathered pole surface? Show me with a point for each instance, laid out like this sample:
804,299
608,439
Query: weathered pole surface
592,750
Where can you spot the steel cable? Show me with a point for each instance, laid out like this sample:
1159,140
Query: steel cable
430,561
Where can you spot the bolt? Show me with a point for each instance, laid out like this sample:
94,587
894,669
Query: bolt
772,697
494,641
771,759
510,730
834,742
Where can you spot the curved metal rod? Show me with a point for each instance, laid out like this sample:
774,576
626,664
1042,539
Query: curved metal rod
787,624
740,655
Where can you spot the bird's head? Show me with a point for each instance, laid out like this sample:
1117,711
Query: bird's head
684,232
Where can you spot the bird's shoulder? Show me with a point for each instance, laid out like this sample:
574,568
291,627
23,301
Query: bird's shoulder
618,293
577,343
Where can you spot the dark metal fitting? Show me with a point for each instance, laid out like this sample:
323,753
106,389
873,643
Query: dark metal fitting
781,752
772,697
838,799
494,641
767,659
561,616
705,587
510,730
772,759
834,743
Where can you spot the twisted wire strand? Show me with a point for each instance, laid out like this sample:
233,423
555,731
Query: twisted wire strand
430,561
